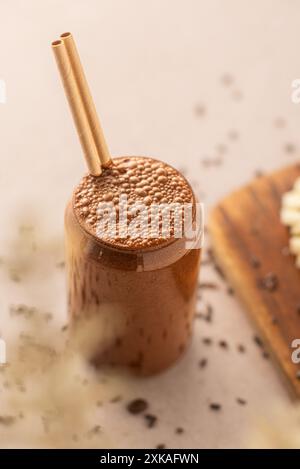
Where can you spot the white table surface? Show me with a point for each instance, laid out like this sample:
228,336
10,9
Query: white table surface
156,70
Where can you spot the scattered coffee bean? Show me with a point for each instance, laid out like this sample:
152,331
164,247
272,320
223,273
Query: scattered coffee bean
289,147
209,162
207,316
7,420
14,276
279,122
255,262
161,446
265,355
151,420
215,406
298,375
233,135
200,110
298,309
258,341
227,79
207,340
254,231
203,363
219,271
258,173
223,344
209,313
241,401
221,148
116,399
179,430
230,291
285,251
208,285
237,95
268,282
241,348
206,261
94,430
137,406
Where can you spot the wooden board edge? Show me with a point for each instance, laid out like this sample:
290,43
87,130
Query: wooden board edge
228,262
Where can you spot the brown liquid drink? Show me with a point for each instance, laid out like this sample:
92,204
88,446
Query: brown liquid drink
148,284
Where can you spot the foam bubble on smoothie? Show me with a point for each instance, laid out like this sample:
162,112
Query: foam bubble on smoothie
144,181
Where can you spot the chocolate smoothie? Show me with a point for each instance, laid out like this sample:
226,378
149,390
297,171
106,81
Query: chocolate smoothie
147,281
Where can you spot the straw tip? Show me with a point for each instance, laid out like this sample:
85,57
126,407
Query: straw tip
56,43
65,35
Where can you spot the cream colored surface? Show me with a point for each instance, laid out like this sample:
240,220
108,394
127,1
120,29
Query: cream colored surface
149,65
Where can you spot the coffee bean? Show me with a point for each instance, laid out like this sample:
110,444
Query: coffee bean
215,406
137,406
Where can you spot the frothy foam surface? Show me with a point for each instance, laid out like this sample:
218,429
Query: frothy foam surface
144,181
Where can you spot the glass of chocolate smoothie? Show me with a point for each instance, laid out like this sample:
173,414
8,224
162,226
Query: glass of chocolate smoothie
147,281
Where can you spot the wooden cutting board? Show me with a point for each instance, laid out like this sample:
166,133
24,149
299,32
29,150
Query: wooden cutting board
250,243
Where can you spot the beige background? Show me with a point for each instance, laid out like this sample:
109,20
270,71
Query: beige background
150,65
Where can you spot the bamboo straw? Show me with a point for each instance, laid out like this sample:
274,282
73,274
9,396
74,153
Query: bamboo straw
77,107
88,102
